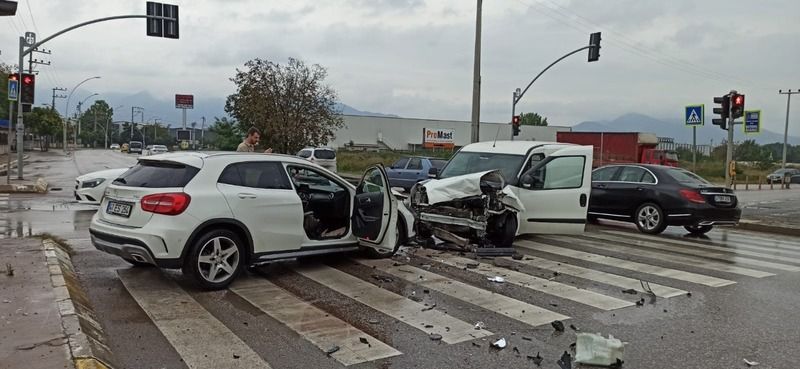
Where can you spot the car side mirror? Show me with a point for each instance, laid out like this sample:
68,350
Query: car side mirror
530,180
433,173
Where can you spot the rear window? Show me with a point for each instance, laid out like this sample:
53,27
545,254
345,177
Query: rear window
438,164
685,176
136,144
324,154
150,174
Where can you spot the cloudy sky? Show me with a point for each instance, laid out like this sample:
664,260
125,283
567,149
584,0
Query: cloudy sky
414,57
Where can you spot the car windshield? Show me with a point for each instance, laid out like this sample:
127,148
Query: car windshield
304,154
685,176
475,162
438,163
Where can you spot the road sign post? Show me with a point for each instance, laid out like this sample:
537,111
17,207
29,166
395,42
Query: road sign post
694,116
184,102
752,122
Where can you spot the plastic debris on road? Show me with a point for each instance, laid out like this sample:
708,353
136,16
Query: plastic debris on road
593,349
480,325
565,362
500,344
496,279
558,325
750,363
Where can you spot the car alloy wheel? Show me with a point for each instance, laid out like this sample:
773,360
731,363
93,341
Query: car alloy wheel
650,219
218,259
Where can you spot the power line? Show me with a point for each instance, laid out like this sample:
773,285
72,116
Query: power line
28,2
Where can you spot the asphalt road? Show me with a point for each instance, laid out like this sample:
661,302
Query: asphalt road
717,300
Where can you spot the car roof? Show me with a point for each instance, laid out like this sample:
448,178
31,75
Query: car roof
196,159
508,147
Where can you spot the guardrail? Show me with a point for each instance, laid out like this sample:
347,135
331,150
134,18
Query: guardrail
784,185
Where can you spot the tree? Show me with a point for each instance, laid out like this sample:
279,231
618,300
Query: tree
45,123
749,150
533,119
93,123
227,132
289,104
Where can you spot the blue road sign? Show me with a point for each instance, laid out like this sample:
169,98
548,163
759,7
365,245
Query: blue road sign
695,115
752,121
13,87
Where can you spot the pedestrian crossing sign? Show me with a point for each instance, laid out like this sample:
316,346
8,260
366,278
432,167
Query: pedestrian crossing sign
695,115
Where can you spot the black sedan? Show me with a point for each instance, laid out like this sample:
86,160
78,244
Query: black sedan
654,197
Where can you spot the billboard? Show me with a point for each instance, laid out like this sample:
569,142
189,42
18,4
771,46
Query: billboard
184,135
438,138
184,101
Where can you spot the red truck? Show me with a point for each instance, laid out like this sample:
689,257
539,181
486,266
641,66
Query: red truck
621,147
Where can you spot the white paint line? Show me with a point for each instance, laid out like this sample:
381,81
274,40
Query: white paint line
393,305
315,325
200,339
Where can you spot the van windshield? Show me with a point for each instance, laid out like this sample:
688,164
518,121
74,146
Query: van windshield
475,162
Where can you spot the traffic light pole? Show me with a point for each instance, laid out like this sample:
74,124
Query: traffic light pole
729,154
514,113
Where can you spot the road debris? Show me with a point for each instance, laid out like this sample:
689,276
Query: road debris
750,363
536,359
517,256
382,278
480,325
428,326
236,356
574,328
558,325
473,265
630,291
593,349
516,350
565,362
476,344
332,350
688,294
9,270
435,337
500,344
374,321
640,302
363,340
496,279
429,307
526,338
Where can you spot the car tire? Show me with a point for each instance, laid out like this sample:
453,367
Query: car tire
400,240
649,218
138,264
698,229
216,251
505,237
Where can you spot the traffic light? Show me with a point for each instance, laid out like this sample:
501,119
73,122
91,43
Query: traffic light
723,110
28,88
158,27
515,126
737,106
8,8
594,49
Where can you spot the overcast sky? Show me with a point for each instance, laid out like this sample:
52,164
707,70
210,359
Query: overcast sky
414,57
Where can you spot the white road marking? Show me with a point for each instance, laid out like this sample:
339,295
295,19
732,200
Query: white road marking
201,340
312,323
512,308
409,312
626,264
678,259
528,281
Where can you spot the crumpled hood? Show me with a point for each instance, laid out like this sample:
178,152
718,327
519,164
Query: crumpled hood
107,174
467,185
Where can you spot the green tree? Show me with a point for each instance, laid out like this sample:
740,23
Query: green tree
227,132
532,119
289,103
45,123
749,150
93,123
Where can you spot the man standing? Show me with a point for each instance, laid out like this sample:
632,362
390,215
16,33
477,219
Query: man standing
250,142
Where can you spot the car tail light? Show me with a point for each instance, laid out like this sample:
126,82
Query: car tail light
166,203
693,196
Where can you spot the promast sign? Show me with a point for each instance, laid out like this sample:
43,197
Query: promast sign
438,138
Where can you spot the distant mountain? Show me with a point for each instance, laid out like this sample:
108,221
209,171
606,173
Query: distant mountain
635,122
349,110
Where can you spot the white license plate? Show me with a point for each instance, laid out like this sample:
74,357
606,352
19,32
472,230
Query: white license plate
119,209
725,199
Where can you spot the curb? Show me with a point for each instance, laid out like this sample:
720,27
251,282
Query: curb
40,186
756,226
85,335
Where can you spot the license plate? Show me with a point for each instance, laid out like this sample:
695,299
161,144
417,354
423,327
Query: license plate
119,209
725,199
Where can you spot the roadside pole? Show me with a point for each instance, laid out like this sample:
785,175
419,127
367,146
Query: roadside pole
476,79
20,124
514,112
729,155
10,141
786,127
694,149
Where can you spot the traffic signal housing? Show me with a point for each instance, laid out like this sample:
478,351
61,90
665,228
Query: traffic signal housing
737,106
8,8
722,111
515,126
28,88
159,27
594,46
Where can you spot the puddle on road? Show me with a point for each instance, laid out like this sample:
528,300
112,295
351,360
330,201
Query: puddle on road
27,224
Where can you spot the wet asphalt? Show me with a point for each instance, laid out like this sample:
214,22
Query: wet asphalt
755,318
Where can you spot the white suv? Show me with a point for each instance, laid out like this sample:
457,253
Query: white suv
214,214
322,156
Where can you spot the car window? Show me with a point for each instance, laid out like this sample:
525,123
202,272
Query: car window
685,176
631,174
475,162
400,164
438,163
648,177
324,154
604,174
266,175
312,178
414,164
559,173
372,181
156,174
304,154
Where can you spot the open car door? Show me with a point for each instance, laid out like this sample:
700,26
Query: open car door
555,192
374,219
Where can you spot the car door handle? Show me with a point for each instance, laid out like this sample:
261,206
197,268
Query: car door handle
640,188
247,196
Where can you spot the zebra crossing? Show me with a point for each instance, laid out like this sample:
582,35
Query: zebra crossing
597,266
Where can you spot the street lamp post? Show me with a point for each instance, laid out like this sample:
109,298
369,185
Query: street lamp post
66,112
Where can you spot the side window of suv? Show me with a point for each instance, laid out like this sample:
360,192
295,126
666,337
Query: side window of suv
259,174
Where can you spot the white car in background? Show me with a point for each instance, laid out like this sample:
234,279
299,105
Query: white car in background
89,188
114,147
322,156
155,150
212,215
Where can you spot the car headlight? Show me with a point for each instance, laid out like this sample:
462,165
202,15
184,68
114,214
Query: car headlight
93,183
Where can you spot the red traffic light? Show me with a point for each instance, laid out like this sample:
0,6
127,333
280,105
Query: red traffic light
27,79
13,77
738,100
515,120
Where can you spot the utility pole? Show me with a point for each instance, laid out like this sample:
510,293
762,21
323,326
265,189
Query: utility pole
57,96
476,79
786,128
203,133
729,154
